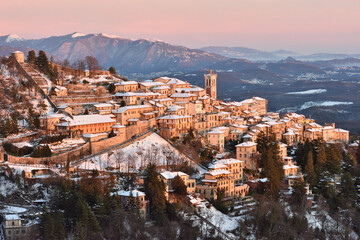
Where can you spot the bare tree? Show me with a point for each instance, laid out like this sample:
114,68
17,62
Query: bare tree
92,63
119,158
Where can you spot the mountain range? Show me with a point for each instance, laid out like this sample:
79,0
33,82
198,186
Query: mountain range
128,56
257,55
139,58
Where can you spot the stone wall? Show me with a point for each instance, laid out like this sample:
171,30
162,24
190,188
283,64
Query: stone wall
82,99
107,143
73,155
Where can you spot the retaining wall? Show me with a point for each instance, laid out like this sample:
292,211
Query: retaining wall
73,155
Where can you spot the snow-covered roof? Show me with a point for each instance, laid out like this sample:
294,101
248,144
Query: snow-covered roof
217,165
172,175
216,132
134,193
123,109
259,98
182,95
217,172
340,130
246,144
229,161
12,217
193,89
289,166
175,117
174,108
85,119
103,105
151,84
127,83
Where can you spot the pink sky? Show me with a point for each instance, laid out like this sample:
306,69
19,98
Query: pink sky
302,25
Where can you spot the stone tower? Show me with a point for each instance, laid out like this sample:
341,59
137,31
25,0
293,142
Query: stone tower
19,56
210,84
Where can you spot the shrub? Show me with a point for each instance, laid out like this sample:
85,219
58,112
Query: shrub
42,151
13,150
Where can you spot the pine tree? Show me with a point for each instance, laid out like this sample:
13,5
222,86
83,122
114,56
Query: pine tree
298,194
112,134
357,154
31,57
155,193
348,189
219,202
112,88
123,103
42,62
272,169
309,170
320,165
333,160
179,186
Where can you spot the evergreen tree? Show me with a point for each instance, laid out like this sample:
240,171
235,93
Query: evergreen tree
179,186
31,57
298,194
112,70
111,88
348,189
272,169
333,159
320,165
155,193
219,202
349,163
42,62
309,170
123,103
86,224
112,134
357,154
52,225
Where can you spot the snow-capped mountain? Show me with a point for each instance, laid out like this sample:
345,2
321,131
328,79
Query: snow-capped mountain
128,56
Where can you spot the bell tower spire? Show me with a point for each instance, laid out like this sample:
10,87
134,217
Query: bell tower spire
210,83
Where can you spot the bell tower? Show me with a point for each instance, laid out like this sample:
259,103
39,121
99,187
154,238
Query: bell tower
210,84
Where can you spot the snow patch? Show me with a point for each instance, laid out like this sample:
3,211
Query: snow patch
75,35
308,92
311,104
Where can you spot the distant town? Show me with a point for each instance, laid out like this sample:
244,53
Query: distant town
76,128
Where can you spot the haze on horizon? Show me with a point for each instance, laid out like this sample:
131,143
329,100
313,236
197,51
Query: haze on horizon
305,26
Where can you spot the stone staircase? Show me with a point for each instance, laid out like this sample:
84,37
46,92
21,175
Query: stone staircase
243,206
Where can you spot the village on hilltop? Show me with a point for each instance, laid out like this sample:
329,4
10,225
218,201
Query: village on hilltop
97,121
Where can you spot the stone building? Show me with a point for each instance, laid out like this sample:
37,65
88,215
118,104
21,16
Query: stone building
210,84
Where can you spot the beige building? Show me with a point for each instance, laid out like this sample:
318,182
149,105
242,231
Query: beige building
246,152
216,138
14,229
80,124
127,86
174,125
221,177
123,114
168,178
